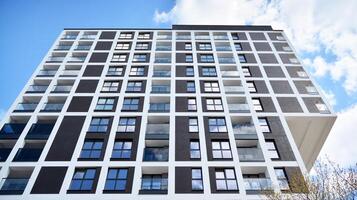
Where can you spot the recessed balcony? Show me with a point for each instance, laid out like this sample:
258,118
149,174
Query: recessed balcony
40,131
249,151
154,180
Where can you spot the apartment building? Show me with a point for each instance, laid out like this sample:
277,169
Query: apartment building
191,112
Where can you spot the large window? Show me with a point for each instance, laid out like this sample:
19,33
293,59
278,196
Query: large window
110,86
272,150
126,124
91,149
264,125
105,103
188,58
208,58
226,179
119,58
122,149
115,71
214,104
116,179
197,182
195,152
257,104
142,46
193,124
211,86
140,58
190,86
83,179
144,36
137,71
191,104
217,125
131,104
122,46
189,71
134,86
205,46
99,124
209,71
221,150
188,46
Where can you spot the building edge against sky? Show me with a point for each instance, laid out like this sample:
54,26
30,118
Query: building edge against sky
196,111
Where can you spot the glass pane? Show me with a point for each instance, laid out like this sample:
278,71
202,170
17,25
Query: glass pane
232,185
109,185
87,185
221,184
197,185
121,184
75,185
230,174
122,173
112,174
90,174
196,174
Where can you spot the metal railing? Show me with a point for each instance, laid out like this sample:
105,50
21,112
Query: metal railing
155,184
226,60
223,48
229,73
55,59
162,60
28,154
37,88
163,48
82,47
156,154
63,47
69,37
77,59
88,37
70,73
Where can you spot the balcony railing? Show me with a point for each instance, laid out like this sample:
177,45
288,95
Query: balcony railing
46,73
156,154
162,73
202,37
223,48
62,88
162,60
55,59
37,88
39,131
77,59
226,60
159,107
257,184
13,185
220,37
52,107
234,89
250,155
82,47
246,129
160,89
69,73
63,47
4,153
238,107
25,107
229,73
154,185
163,48
88,37
158,129
12,130
27,155
69,37
183,37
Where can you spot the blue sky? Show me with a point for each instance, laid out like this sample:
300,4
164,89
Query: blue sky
326,41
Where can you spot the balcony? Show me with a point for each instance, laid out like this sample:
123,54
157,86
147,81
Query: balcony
4,153
82,47
62,89
77,59
37,89
11,130
234,89
250,155
52,107
159,107
55,59
46,73
226,60
223,48
163,48
13,185
40,131
238,107
183,37
28,155
153,184
230,73
257,184
245,131
25,107
63,47
70,73
88,37
157,131
156,154
162,73
160,89
69,37
162,60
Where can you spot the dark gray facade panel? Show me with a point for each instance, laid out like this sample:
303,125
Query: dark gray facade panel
222,27
250,58
181,57
267,104
180,46
274,36
257,36
289,105
103,46
242,36
262,46
183,183
181,104
183,138
311,102
245,46
292,70
279,46
49,180
301,86
267,58
255,71
66,139
87,86
93,71
98,57
285,58
261,87
181,86
107,35
79,104
281,87
180,71
274,72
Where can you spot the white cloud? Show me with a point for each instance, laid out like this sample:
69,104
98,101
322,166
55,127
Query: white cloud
340,145
312,25
330,96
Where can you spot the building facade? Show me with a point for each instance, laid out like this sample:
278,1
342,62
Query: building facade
192,112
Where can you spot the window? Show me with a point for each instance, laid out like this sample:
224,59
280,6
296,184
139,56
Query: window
235,36
221,149
241,58
189,71
139,58
205,46
246,72
125,36
144,36
191,104
207,58
153,182
257,104
272,151
193,124
190,86
110,86
264,126
197,182
91,149
214,104
238,46
142,46
122,149
122,46
119,58
322,107
99,124
301,74
282,180
115,71
126,124
105,103
209,71
188,46
188,58
116,179
311,89
134,86
211,86
195,152
131,104
83,179
137,71
251,87
226,179
217,125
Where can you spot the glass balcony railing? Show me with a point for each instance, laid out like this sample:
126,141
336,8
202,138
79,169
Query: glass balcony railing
234,89
220,37
13,185
55,59
4,153
37,88
27,155
257,184
163,48
158,129
226,60
159,107
154,184
62,88
229,73
183,37
69,73
77,59
62,47
52,107
160,89
250,155
164,37
223,48
238,107
11,130
202,37
88,37
82,47
156,154
46,73
39,131
162,60
69,37
25,107
244,129
162,73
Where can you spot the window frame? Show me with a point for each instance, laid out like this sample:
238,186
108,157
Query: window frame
195,149
210,87
190,87
131,108
226,179
189,71
191,104
110,86
264,124
124,153
251,87
192,124
199,180
217,127
84,179
212,103
134,86
257,105
115,72
209,71
106,106
116,179
128,125
272,149
94,128
137,71
221,153
94,152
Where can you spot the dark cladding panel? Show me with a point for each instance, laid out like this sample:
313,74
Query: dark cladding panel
107,35
49,180
93,70
98,57
79,104
87,86
103,46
